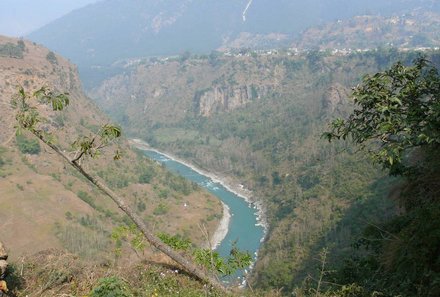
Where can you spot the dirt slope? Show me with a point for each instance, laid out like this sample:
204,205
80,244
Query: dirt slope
44,204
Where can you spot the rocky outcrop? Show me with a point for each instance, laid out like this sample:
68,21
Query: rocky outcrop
3,263
335,97
218,99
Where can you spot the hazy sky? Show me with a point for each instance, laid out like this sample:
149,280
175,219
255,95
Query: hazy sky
20,17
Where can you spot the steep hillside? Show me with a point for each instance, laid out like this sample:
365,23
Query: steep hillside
102,33
259,118
45,204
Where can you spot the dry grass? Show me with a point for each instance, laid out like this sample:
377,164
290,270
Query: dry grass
37,191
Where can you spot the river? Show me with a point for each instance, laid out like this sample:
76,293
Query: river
245,227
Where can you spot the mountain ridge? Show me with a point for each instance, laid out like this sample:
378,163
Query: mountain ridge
149,28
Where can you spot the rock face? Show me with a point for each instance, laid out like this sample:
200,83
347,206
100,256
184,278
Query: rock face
334,98
3,263
219,99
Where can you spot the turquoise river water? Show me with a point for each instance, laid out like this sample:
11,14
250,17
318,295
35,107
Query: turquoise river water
244,228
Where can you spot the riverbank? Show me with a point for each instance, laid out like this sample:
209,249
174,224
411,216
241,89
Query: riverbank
226,182
222,229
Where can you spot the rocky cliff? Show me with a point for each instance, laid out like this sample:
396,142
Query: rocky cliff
219,99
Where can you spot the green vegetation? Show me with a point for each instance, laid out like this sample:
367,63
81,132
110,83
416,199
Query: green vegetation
211,260
84,196
161,209
65,274
28,145
398,111
146,175
52,58
397,119
4,161
111,287
11,50
28,118
317,195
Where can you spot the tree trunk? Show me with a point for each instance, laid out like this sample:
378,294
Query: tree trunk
188,265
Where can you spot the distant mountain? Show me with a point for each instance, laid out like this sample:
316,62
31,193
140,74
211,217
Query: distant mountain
20,17
107,31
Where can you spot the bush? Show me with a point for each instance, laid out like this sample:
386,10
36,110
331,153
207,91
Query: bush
146,176
28,146
84,196
11,50
111,287
161,209
52,58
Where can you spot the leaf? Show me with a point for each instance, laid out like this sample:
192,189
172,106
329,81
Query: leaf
118,155
110,132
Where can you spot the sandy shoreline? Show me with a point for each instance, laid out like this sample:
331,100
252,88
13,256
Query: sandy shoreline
238,190
222,229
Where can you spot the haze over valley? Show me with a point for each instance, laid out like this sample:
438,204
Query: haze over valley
221,148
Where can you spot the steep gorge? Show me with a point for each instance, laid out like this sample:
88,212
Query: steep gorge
258,119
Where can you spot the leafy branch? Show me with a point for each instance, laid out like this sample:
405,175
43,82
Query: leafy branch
396,111
28,118
211,260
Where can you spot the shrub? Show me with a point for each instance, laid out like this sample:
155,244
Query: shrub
111,287
11,50
161,209
28,146
84,196
146,176
51,58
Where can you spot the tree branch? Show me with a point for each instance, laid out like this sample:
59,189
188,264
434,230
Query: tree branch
151,238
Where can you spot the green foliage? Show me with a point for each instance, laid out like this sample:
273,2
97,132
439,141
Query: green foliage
68,215
177,242
28,117
396,111
315,194
398,257
111,287
56,100
141,206
238,259
161,209
11,50
92,145
137,240
212,260
28,145
52,58
397,120
179,184
84,196
146,175
114,178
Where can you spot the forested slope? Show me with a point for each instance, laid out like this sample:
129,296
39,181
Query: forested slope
259,119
